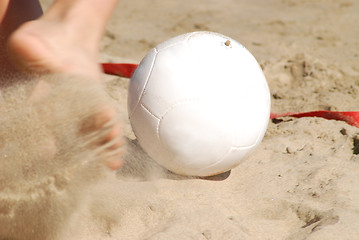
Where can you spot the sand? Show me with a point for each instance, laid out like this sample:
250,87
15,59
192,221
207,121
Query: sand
49,156
301,183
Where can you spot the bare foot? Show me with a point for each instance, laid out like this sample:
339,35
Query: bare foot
65,40
110,141
51,46
101,127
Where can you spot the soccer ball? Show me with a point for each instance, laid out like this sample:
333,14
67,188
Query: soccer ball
199,103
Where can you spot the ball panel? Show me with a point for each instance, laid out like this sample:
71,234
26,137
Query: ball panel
195,135
250,114
183,72
139,80
169,80
232,159
145,126
174,41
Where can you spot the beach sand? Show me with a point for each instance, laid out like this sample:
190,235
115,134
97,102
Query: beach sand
301,183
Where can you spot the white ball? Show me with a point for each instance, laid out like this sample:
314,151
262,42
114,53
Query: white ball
199,103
